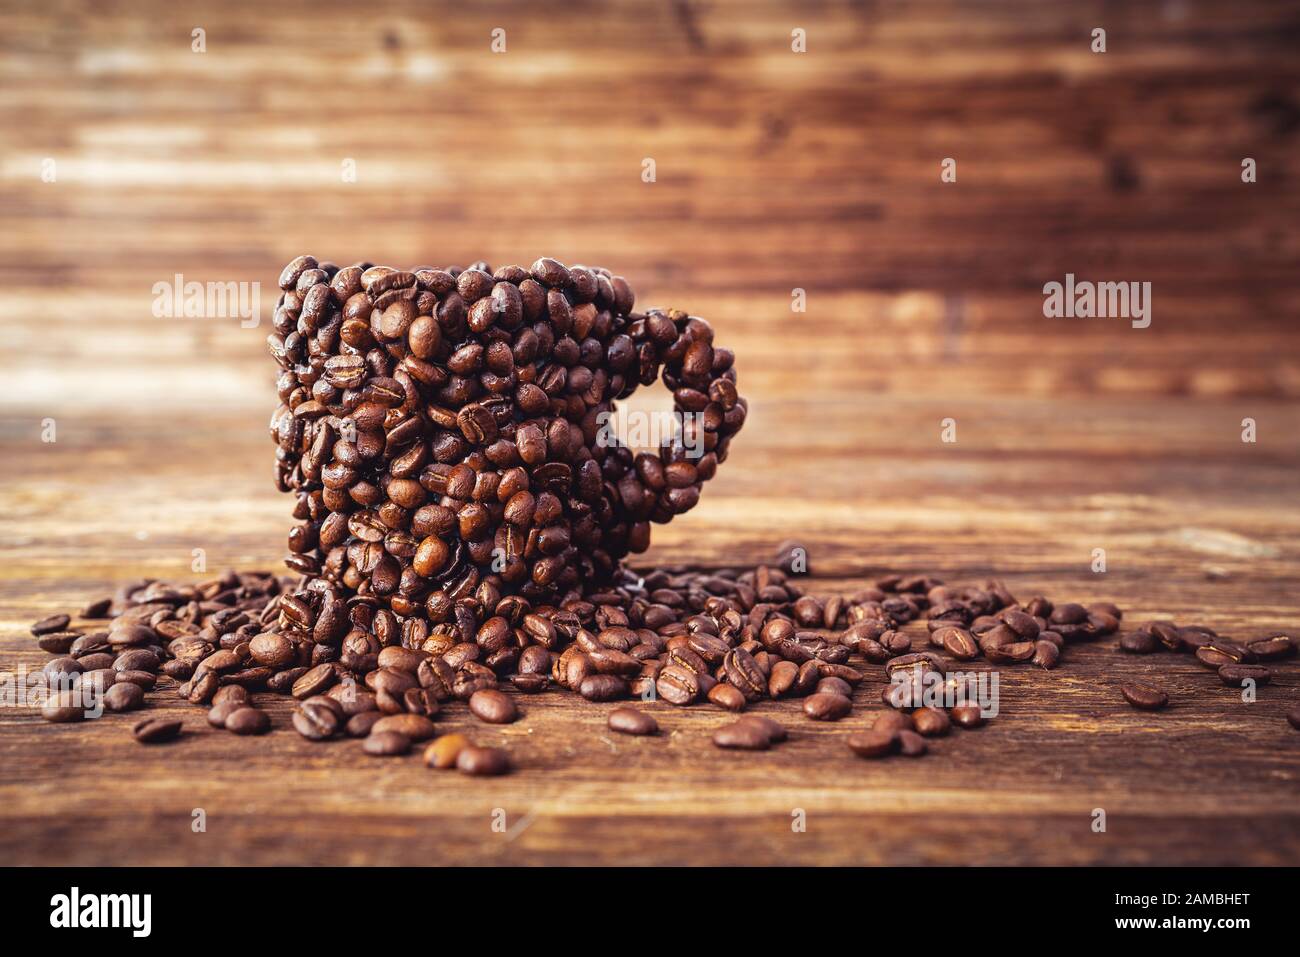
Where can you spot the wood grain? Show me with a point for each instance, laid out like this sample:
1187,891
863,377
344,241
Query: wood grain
775,171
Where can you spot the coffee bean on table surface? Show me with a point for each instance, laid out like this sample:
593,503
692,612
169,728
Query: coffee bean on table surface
1234,675
51,624
966,716
827,706
222,710
1268,649
316,720
1221,651
743,736
911,744
930,722
145,679
872,744
123,696
891,722
443,751
1139,643
97,609
482,762
727,696
494,707
58,642
603,688
1144,696
248,720
156,730
632,721
64,706
414,726
1046,654
1293,716
384,744
360,724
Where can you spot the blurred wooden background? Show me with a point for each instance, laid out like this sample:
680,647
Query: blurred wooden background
775,171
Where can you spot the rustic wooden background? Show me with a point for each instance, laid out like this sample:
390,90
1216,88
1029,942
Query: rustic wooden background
775,171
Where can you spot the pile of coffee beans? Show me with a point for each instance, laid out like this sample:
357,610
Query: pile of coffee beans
445,428
1236,663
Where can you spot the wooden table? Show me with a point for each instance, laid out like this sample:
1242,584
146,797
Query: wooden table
775,171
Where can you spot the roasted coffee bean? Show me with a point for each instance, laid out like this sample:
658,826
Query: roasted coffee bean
774,729
123,696
482,762
826,706
891,722
50,625
966,716
743,736
318,718
834,685
248,720
1139,643
494,707
1234,676
202,688
386,744
417,727
1046,654
911,744
144,679
872,744
1268,649
314,682
632,721
443,752
221,710
58,642
678,685
1220,652
930,722
603,688
1293,717
1144,696
727,696
361,723
65,706
782,679
743,672
958,642
156,730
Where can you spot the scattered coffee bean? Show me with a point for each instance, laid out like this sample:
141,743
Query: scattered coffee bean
632,721
966,716
443,752
156,730
826,706
1235,675
1144,696
911,744
743,736
930,722
494,707
123,696
247,720
385,744
482,762
873,744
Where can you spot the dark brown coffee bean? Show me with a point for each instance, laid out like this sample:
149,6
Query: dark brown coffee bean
386,744
781,681
123,696
632,721
727,696
930,722
51,624
1235,675
144,679
248,720
891,722
482,762
911,744
156,730
318,718
65,706
494,707
966,716
1221,651
872,744
774,729
221,710
1144,696
743,672
1268,649
678,685
742,736
361,723
603,688
1139,643
827,707
315,681
1293,717
1046,654
203,688
833,685
58,642
958,642
417,727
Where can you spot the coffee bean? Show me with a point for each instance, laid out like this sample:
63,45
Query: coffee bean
834,685
966,716
58,642
124,696
891,722
144,679
50,625
1234,676
632,721
743,736
314,681
826,706
603,688
872,744
930,722
773,729
316,719
156,730
678,685
64,706
417,727
782,679
482,762
494,707
727,696
248,721
442,752
1139,643
385,744
911,744
1293,717
1144,696
1268,649
221,710
1046,654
